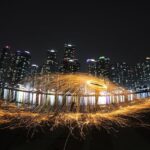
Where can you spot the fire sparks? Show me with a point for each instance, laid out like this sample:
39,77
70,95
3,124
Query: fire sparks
76,84
119,115
81,106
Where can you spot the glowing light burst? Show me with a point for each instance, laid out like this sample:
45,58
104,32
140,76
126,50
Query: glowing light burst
122,116
106,116
79,83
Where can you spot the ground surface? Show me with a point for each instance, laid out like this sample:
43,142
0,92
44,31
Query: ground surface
124,139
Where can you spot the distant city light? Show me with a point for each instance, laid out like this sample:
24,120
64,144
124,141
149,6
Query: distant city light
52,50
102,57
7,46
34,65
90,60
71,60
148,58
27,52
70,45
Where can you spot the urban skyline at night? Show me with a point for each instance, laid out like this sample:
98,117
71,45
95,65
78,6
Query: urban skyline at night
130,76
115,30
74,75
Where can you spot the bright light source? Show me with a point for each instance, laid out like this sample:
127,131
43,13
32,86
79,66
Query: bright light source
90,60
71,60
34,65
69,45
52,50
27,52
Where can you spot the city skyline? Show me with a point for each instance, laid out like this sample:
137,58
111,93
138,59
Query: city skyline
14,67
60,54
98,30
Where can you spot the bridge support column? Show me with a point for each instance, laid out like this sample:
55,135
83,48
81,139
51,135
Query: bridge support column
78,103
96,102
126,97
64,103
37,98
56,103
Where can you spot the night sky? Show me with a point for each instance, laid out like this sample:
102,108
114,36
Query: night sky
117,30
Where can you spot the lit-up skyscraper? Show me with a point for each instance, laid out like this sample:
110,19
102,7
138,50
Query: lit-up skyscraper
73,65
115,73
103,66
51,64
69,63
21,65
147,71
142,73
69,66
123,74
69,51
91,66
5,64
34,69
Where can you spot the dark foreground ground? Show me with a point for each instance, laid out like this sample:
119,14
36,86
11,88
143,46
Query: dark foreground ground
123,139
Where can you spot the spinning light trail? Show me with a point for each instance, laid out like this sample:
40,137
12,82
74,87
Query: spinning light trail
80,85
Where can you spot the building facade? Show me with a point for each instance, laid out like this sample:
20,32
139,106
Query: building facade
51,64
5,65
21,65
69,64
